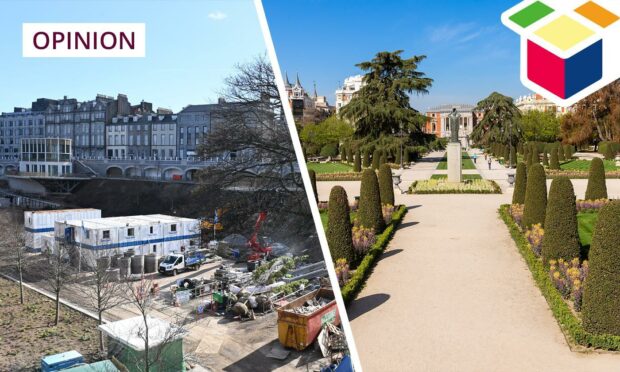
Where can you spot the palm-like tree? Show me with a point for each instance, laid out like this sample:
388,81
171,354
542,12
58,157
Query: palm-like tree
382,105
500,122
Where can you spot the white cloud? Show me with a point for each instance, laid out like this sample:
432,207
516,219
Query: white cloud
217,16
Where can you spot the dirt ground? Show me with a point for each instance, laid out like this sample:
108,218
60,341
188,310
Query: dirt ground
213,342
28,331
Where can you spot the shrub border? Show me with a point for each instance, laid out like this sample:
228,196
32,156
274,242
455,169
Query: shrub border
342,176
496,190
364,269
570,325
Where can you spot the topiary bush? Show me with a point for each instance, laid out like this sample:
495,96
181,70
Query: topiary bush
597,188
535,196
601,299
386,190
339,226
357,164
568,153
554,163
610,153
312,174
343,153
518,196
376,158
366,162
535,155
329,150
561,235
560,151
546,158
349,154
369,211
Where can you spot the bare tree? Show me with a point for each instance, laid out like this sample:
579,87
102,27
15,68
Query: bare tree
141,295
250,136
13,244
102,291
59,273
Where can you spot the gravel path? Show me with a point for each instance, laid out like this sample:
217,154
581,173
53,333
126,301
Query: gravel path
452,293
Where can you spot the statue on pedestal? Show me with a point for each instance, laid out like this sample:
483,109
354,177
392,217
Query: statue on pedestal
455,123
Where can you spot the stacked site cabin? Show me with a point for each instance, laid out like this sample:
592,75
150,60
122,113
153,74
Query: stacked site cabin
150,234
40,224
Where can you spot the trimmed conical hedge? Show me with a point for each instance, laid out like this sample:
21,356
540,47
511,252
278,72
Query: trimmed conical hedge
312,174
357,164
597,188
376,159
349,155
369,213
554,163
561,235
366,162
535,155
561,156
535,196
386,190
339,227
601,301
518,196
546,158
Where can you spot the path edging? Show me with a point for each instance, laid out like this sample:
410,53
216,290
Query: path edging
358,280
576,336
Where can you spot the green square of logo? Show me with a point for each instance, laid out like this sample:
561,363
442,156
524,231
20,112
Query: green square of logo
531,14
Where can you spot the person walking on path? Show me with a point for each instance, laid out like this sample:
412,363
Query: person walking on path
489,161
475,157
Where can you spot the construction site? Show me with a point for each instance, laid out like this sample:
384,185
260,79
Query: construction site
208,300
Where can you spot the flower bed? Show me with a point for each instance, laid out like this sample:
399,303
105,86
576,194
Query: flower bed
357,280
591,205
576,174
442,186
348,176
569,322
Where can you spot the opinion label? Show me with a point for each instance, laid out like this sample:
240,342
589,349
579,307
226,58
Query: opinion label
83,40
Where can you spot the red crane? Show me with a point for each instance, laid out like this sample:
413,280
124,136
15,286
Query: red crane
259,251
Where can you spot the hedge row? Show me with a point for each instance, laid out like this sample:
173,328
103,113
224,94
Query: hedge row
345,176
574,174
358,279
570,325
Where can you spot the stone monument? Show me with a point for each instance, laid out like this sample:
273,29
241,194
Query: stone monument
454,149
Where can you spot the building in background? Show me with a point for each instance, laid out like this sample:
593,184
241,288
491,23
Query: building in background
163,136
438,122
16,125
536,102
47,157
306,108
344,95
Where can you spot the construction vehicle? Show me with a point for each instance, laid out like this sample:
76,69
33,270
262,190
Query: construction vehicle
260,250
176,262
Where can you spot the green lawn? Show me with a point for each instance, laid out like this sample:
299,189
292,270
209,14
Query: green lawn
586,227
465,176
324,168
584,165
467,162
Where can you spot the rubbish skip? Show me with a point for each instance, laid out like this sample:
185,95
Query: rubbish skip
300,322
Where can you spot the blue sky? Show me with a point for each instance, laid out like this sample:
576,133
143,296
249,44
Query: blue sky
191,47
470,53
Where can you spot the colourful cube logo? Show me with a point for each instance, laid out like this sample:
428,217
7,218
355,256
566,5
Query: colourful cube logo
569,48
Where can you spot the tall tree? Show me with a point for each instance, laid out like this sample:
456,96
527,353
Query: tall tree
382,105
540,126
596,118
499,113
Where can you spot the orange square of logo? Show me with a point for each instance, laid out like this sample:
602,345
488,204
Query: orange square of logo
597,14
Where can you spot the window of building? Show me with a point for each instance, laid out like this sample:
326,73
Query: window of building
173,227
151,230
106,234
131,232
154,248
